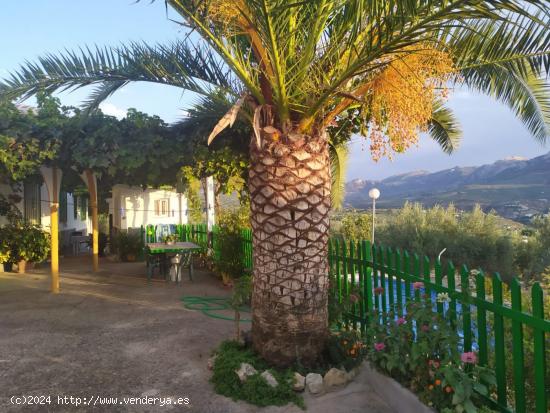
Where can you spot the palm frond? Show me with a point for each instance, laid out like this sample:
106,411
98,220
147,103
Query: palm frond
180,64
526,94
444,128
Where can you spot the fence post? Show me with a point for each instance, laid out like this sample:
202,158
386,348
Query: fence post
416,272
390,264
439,282
337,284
517,348
451,286
500,363
465,308
382,267
399,283
540,352
406,271
426,267
361,285
375,268
367,287
481,319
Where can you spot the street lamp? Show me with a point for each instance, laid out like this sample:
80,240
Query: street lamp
374,194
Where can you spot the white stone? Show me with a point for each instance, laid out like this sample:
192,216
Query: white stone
314,383
211,361
335,377
268,377
299,383
245,371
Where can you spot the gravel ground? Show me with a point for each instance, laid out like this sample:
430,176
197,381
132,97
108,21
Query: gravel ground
111,335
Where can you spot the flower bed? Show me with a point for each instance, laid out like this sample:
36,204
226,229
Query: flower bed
418,348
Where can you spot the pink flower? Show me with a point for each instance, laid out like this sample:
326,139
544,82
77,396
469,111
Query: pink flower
353,298
379,290
379,346
469,357
418,285
425,328
400,321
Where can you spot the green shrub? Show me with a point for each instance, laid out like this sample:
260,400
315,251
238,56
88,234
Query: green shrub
474,238
22,241
254,390
126,245
229,252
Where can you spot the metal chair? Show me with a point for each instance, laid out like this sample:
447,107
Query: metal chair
155,261
183,260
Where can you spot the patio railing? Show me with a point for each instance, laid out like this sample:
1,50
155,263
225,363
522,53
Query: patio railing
504,324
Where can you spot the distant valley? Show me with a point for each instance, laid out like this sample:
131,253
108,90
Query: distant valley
515,188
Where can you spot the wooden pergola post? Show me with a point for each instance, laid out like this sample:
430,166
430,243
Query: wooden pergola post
52,179
89,178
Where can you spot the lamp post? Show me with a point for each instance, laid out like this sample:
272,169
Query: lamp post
374,194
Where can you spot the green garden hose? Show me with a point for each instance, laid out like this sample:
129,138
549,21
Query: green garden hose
209,305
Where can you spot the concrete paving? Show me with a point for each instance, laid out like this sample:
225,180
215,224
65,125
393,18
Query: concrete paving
112,335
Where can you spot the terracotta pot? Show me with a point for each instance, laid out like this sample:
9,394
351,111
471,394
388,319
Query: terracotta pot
21,266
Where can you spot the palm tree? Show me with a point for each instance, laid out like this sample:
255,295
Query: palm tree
301,70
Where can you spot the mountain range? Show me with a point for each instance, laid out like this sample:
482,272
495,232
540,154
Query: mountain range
516,188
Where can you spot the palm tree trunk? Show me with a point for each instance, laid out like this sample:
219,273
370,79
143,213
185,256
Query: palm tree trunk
289,186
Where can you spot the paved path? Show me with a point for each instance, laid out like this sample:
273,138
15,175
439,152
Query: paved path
116,336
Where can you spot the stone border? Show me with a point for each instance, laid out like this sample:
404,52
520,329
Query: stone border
399,398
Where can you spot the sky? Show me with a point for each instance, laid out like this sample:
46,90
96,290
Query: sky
35,27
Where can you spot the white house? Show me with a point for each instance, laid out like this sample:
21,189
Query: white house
132,207
35,207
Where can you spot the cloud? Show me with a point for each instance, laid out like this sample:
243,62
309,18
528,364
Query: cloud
112,110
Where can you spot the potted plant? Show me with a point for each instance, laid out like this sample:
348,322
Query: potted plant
170,239
27,243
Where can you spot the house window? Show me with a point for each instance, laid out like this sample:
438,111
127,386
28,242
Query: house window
63,207
31,202
162,207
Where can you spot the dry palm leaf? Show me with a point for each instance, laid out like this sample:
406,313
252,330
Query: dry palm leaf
227,120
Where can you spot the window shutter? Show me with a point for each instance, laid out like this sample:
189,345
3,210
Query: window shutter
32,202
75,207
63,206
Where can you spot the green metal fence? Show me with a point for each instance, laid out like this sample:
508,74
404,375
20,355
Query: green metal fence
199,234
492,319
504,324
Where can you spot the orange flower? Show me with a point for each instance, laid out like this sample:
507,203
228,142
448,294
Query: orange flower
437,382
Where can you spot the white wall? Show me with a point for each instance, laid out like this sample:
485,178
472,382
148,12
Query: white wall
71,224
133,207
